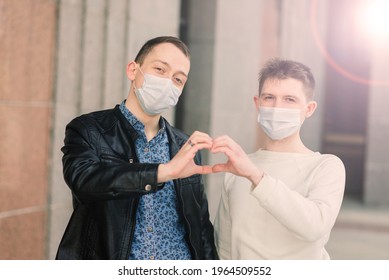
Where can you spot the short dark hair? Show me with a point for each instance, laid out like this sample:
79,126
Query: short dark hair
150,44
280,69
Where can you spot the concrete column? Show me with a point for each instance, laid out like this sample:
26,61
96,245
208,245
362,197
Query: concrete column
298,31
115,59
197,97
67,105
92,45
376,188
224,38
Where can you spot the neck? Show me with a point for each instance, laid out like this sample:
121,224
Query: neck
291,144
151,123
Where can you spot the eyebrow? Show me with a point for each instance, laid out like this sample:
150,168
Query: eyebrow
285,96
168,65
292,96
265,93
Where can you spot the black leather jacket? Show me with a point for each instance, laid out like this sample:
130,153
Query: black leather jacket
101,168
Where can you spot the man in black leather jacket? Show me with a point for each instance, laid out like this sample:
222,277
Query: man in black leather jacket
127,203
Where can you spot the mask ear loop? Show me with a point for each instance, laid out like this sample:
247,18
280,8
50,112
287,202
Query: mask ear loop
144,79
306,105
143,74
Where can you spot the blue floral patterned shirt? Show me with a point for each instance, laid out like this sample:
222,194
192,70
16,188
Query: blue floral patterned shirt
159,232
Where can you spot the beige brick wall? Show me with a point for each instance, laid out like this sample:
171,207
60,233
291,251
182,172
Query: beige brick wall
27,43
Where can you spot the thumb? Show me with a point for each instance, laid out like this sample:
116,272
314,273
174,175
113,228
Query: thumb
219,168
205,169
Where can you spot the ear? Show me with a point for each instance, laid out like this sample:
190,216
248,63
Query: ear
311,107
256,101
131,70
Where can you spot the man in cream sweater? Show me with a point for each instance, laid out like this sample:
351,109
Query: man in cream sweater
282,201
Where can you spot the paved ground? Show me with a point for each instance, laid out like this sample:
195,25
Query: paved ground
360,233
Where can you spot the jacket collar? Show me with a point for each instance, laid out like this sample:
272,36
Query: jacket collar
174,143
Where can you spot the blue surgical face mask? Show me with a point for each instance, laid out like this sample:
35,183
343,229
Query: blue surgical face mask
279,123
157,94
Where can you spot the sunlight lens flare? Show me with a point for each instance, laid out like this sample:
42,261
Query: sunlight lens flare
374,16
372,13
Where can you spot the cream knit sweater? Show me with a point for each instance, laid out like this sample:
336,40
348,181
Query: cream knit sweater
289,215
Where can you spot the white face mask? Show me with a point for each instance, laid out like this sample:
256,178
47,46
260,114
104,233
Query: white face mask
279,123
157,94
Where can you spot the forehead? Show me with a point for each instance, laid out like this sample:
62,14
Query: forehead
283,87
170,54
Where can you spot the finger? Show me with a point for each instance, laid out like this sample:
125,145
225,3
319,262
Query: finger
224,139
205,169
198,136
190,142
224,142
200,146
219,168
222,145
201,139
225,150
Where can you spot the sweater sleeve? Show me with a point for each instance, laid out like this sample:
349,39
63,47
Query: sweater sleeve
311,216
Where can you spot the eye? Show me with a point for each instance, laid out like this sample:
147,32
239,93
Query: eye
290,100
267,97
178,81
159,69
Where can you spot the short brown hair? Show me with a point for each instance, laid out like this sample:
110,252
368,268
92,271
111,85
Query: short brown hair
150,44
281,69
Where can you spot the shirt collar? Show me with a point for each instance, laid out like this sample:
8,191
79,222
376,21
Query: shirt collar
137,124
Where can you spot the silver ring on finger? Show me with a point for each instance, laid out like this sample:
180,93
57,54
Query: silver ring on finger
191,143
